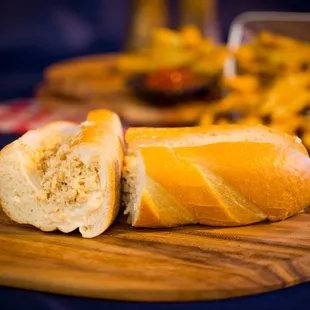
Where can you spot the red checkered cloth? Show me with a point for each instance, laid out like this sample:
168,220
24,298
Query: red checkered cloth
19,116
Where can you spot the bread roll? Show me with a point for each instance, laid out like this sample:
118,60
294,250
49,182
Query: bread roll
65,176
219,176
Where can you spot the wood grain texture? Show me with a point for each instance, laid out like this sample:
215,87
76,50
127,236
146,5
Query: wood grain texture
180,264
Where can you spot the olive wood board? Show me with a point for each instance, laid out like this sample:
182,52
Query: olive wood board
187,263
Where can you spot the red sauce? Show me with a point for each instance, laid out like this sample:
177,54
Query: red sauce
172,80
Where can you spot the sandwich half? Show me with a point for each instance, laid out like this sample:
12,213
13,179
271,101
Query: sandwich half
65,176
219,176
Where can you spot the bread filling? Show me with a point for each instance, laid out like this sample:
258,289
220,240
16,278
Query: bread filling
69,187
133,184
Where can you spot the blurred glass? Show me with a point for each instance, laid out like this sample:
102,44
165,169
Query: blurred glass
146,15
202,14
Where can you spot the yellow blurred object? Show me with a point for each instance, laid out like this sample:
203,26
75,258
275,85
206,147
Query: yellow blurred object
171,59
273,87
210,63
191,36
134,64
242,83
200,14
171,49
284,106
270,55
287,96
166,39
306,139
145,17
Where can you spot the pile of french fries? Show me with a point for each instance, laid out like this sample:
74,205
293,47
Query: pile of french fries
273,87
171,49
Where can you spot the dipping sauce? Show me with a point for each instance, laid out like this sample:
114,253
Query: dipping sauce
172,80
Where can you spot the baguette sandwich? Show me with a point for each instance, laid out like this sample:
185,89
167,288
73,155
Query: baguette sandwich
65,176
219,176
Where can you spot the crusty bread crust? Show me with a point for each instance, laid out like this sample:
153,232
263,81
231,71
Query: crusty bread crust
99,137
193,136
97,134
238,178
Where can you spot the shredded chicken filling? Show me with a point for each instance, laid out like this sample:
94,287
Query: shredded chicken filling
66,182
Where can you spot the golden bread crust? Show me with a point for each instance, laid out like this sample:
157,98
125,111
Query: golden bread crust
219,184
99,137
103,129
138,136
148,215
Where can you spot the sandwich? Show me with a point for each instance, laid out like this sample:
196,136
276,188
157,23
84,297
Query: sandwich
228,175
65,176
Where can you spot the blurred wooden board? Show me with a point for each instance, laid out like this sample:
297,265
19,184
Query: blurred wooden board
91,82
130,110
180,264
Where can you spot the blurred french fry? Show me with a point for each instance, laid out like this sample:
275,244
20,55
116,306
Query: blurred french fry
191,36
171,59
135,63
176,49
243,83
164,38
273,55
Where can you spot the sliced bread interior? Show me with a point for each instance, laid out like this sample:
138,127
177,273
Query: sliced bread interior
63,176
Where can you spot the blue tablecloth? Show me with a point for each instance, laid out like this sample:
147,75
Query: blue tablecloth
6,139
294,298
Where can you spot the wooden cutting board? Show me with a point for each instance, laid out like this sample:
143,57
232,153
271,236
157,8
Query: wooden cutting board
181,264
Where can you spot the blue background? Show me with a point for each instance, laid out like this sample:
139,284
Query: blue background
35,33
